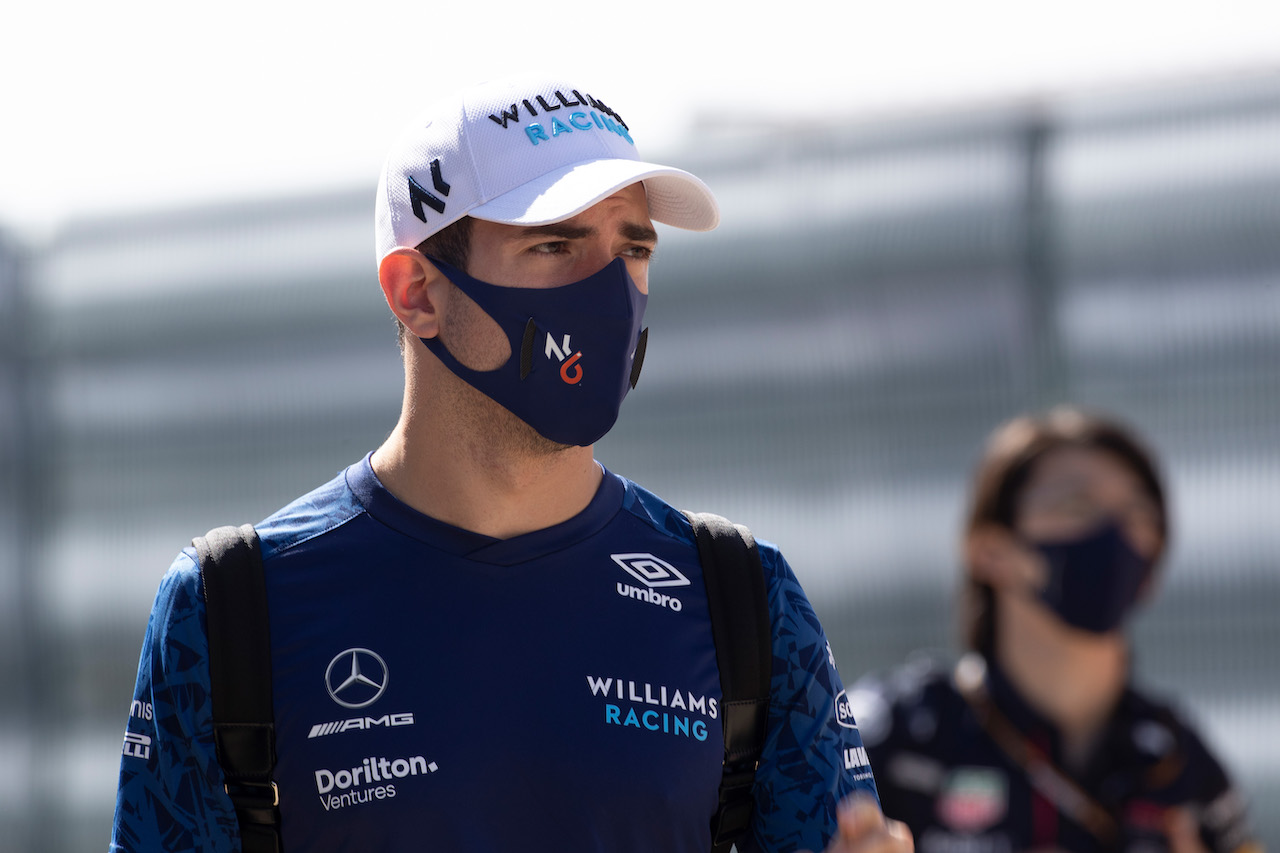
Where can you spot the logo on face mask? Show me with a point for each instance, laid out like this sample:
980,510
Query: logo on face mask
570,369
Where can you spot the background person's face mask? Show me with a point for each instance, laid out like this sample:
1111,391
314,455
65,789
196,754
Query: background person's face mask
576,350
1093,581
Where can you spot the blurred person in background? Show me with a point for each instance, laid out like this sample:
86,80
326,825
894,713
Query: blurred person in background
1036,739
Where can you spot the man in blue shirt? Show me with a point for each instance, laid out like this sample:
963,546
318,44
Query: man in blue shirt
481,639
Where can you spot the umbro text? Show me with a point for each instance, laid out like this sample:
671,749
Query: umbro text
661,599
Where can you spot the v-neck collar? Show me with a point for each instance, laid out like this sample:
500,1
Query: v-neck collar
391,511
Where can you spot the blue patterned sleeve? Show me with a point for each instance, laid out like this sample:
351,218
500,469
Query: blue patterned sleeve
813,755
170,797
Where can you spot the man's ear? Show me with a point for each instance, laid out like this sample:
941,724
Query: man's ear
412,287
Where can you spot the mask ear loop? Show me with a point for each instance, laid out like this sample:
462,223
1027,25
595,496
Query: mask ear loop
637,360
526,348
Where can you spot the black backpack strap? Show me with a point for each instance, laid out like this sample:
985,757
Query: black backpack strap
739,607
235,594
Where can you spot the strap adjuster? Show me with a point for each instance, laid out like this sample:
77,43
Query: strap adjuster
731,820
738,779
733,816
259,792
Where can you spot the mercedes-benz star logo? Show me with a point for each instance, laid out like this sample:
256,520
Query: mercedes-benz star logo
356,678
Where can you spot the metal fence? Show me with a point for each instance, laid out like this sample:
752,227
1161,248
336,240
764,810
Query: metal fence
823,368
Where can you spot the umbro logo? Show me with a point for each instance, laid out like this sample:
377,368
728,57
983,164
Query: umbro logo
650,570
653,572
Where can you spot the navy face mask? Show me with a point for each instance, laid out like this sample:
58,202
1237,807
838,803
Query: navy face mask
576,350
1094,581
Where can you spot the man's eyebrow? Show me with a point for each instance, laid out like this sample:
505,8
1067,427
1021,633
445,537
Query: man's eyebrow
563,231
639,233
558,229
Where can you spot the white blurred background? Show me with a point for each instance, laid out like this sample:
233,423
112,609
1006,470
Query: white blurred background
146,102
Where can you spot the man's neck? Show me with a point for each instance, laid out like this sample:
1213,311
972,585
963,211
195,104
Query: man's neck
468,462
1074,679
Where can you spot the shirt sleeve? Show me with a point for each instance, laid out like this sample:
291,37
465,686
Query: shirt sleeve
170,796
1218,805
813,755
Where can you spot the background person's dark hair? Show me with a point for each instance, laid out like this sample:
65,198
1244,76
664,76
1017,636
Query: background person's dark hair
1002,472
451,244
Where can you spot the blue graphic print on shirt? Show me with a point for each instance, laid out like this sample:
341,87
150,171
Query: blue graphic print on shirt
439,688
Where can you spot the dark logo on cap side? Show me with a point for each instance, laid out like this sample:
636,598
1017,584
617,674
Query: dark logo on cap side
420,195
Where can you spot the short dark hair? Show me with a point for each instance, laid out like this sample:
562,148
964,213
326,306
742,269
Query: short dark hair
451,244
1006,464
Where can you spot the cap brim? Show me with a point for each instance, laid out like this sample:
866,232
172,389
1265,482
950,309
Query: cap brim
675,197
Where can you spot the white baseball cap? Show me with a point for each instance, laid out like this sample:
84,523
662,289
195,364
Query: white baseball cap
522,151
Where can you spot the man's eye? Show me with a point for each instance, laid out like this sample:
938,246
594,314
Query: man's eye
642,253
552,248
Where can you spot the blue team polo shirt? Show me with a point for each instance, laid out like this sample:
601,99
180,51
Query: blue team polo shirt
437,689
